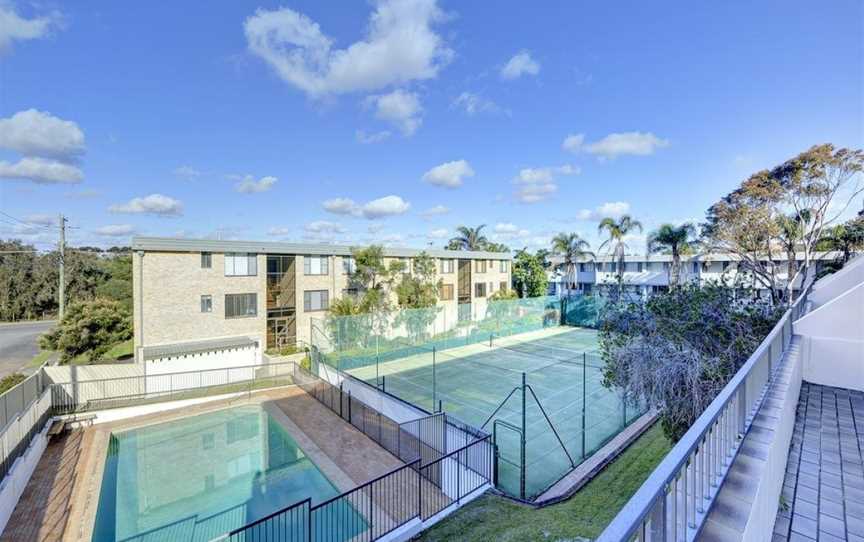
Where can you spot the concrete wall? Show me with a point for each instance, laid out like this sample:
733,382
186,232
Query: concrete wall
833,340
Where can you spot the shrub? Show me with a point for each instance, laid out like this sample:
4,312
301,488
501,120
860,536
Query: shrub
90,328
677,350
10,381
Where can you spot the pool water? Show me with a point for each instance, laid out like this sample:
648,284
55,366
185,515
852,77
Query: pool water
197,478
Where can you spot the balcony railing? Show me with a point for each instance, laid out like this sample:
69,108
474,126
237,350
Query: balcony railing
674,501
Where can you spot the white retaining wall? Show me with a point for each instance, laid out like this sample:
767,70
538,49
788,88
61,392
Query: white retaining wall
833,340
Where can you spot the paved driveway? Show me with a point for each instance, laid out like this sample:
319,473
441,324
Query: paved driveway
19,344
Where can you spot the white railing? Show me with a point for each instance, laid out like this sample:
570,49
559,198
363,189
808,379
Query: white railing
674,501
16,437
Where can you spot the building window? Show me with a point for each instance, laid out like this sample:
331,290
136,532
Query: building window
349,266
502,285
502,266
206,260
480,289
726,266
639,267
446,292
316,265
316,300
447,266
206,303
241,264
695,268
581,267
241,305
480,266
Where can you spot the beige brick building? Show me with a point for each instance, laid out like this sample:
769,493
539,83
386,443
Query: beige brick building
195,290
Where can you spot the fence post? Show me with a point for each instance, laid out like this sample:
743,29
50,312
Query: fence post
584,372
434,378
522,441
341,399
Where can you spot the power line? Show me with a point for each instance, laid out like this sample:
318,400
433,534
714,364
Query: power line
26,223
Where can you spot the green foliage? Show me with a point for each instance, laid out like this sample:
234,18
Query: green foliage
677,350
529,276
506,293
676,240
89,328
468,238
118,286
29,280
418,289
573,249
10,381
616,231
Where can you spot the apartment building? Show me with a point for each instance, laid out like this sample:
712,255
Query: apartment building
197,295
644,275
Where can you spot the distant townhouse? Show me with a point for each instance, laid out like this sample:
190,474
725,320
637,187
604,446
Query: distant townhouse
649,274
208,296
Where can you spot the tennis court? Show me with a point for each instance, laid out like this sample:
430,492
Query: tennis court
477,374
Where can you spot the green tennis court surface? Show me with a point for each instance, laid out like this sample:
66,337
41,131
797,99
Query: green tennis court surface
480,383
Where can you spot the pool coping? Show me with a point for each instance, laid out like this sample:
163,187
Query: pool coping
84,503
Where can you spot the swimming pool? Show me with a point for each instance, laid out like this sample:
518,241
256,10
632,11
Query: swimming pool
197,478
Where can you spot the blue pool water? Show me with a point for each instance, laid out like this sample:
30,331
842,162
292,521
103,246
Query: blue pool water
197,478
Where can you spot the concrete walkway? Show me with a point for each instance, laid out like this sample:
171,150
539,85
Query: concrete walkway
823,493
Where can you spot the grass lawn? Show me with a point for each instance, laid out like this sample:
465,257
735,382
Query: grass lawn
120,351
39,358
586,514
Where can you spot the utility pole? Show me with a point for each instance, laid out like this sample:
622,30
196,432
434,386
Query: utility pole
62,301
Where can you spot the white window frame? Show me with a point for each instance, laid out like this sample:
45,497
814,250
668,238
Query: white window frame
241,264
316,265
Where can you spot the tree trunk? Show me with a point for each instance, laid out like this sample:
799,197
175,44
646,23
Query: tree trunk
675,272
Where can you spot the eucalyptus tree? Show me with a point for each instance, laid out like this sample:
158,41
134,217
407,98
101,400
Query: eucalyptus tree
617,230
573,249
468,238
676,240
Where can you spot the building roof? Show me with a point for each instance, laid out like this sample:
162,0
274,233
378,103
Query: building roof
701,257
175,244
196,347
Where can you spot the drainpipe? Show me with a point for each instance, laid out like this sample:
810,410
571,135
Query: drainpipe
140,330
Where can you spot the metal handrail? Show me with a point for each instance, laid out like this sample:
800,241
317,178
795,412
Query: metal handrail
648,504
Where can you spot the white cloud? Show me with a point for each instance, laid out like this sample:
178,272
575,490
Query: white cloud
375,228
372,137
474,104
278,231
437,210
438,233
399,46
573,142
379,208
154,204
521,64
614,145
41,219
537,184
400,108
386,206
248,185
508,231
187,172
41,171
611,209
37,133
323,231
449,174
13,27
341,206
115,230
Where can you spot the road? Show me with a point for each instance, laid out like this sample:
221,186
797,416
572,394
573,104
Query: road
19,343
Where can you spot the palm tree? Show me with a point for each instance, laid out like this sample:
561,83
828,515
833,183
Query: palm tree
573,248
617,230
468,238
676,239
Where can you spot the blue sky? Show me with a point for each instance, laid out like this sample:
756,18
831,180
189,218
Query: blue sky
349,122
